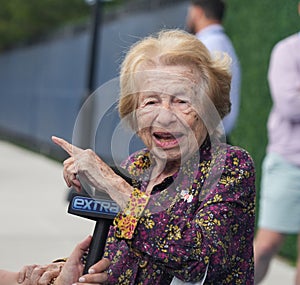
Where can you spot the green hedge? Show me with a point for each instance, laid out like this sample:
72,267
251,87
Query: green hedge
255,27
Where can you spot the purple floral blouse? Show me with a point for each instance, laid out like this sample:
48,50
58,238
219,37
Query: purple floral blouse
202,216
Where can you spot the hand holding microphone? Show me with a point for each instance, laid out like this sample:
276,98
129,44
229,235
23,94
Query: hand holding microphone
84,169
72,269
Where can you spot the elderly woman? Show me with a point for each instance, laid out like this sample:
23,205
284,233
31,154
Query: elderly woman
189,213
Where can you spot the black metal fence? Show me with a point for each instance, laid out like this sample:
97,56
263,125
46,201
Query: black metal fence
42,85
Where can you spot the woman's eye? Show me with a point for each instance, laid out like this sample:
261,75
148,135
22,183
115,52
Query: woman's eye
181,101
182,104
150,103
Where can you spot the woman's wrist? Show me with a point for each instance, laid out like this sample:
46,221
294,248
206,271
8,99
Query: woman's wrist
120,191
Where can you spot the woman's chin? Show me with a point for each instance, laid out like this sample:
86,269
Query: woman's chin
167,154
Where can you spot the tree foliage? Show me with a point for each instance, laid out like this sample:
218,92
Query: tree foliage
23,21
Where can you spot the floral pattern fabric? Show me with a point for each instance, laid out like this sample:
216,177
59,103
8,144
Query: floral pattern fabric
204,214
127,220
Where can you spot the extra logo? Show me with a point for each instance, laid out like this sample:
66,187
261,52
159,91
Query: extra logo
95,206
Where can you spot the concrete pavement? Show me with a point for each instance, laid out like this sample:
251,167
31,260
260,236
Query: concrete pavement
35,225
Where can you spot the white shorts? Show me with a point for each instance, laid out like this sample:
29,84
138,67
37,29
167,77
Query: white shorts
279,207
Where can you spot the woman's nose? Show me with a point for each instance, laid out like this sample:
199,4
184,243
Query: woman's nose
165,114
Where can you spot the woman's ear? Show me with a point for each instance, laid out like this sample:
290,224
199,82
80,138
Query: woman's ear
138,133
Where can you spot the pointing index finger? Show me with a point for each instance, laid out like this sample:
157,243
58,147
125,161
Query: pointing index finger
69,148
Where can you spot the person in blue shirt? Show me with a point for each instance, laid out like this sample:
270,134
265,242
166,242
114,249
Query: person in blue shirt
204,20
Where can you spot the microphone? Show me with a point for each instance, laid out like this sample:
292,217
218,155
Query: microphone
101,209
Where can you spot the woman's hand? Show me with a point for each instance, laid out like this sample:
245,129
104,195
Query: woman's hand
84,163
25,272
66,273
73,267
91,169
97,274
39,274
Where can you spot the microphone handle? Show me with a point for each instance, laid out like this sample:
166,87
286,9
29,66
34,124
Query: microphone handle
98,242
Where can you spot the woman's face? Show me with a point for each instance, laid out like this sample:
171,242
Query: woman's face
168,123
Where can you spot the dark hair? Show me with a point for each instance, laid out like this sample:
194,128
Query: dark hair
213,9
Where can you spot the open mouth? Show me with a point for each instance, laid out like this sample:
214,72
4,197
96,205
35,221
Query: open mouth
166,139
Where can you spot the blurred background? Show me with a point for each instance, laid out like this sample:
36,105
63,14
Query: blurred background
54,53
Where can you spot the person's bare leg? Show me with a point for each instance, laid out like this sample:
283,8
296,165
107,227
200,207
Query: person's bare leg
298,259
266,245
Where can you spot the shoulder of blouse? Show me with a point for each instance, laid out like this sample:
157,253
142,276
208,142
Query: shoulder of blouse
243,156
